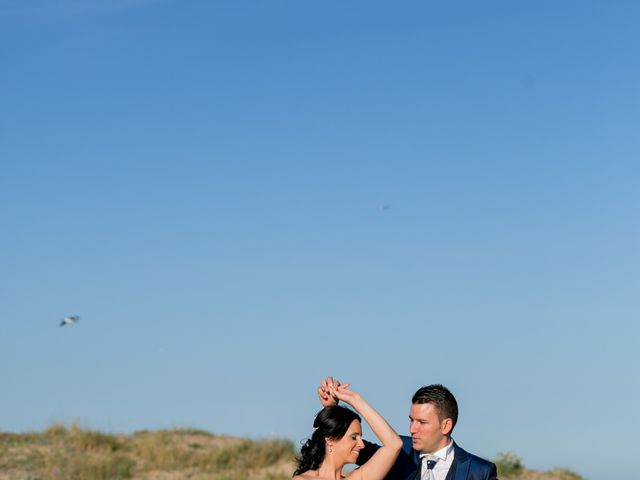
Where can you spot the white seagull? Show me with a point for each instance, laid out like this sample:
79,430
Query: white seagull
70,320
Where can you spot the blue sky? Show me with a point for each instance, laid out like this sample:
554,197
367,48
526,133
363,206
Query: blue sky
239,198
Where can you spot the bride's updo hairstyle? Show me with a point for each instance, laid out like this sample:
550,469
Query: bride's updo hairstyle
330,422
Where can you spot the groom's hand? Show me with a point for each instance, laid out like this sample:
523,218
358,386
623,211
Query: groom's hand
324,391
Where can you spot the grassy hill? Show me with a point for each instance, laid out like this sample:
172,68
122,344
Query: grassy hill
74,453
81,454
510,467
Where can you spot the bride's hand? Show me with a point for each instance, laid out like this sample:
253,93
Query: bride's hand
342,392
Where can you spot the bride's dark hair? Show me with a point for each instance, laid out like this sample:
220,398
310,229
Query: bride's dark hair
330,422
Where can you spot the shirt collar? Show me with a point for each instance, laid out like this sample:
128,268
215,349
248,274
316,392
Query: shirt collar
441,454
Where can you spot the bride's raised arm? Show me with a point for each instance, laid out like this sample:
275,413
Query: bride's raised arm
382,461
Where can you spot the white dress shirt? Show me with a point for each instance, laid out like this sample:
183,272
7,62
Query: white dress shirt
444,460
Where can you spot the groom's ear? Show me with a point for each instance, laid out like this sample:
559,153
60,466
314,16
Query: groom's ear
446,426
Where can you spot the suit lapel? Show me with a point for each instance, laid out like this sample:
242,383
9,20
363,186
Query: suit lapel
459,468
415,475
461,463
451,474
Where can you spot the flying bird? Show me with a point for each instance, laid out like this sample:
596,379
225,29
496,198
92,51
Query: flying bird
70,320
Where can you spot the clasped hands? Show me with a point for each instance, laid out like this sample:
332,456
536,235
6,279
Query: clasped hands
331,391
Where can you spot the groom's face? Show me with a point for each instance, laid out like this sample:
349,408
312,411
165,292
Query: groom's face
428,433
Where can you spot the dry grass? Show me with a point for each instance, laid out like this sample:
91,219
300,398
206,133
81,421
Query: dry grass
510,467
555,474
74,453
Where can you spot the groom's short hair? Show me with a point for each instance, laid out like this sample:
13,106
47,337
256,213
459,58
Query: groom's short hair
441,398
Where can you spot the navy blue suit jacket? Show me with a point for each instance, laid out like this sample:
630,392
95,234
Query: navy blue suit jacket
465,465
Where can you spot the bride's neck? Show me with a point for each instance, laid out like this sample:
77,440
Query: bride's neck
330,469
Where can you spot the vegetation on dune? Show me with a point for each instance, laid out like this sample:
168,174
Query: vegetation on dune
509,464
510,467
75,453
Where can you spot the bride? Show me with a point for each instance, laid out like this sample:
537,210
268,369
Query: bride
337,440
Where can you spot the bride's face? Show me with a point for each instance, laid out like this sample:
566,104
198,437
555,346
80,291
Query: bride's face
348,447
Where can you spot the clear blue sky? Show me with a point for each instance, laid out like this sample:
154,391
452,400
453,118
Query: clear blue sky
241,197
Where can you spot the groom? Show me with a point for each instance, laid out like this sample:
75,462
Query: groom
429,453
